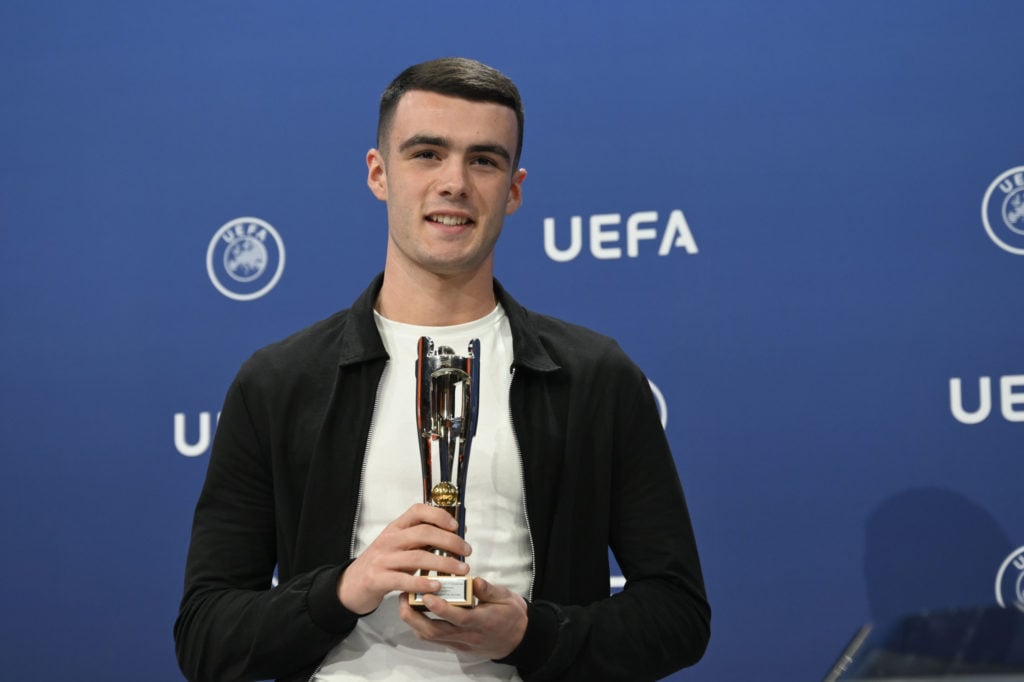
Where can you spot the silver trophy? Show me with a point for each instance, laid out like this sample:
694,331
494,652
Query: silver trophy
447,406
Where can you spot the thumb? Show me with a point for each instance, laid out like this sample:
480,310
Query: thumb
483,589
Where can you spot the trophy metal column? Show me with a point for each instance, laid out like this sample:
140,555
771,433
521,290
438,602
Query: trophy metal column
447,406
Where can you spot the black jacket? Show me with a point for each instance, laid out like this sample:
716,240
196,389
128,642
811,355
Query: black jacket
282,490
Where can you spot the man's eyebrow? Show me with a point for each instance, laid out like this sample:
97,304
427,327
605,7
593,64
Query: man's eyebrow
490,149
443,142
427,140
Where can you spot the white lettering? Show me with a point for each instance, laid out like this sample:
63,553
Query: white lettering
575,240
240,230
634,233
252,230
956,405
202,443
598,236
1011,400
1008,184
605,237
678,235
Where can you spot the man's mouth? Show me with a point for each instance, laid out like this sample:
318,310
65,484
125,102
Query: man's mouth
449,220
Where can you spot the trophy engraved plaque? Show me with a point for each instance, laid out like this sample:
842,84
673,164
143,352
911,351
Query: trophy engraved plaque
447,405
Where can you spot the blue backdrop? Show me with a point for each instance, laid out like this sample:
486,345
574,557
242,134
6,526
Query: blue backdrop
803,220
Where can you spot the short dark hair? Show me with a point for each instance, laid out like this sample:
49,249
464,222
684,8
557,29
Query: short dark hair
455,77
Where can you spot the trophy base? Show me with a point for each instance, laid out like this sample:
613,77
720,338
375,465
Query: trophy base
457,590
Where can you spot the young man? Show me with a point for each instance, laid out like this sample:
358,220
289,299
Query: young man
315,468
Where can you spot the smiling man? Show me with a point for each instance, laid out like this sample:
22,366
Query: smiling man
314,468
445,169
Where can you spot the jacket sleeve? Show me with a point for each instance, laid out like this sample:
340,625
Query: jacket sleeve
660,622
232,625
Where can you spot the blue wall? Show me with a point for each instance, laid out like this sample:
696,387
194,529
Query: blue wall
820,168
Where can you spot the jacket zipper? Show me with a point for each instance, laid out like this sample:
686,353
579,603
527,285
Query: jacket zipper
522,482
362,468
359,496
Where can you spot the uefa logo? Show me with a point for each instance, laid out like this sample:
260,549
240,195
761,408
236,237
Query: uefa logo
245,259
1010,581
1002,211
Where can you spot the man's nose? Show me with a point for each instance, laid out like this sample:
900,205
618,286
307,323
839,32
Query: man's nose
453,180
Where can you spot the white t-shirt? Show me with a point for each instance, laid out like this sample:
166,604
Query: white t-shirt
382,646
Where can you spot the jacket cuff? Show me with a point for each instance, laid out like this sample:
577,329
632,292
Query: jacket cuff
325,609
538,641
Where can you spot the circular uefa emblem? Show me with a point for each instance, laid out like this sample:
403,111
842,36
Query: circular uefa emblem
245,258
1002,211
1010,581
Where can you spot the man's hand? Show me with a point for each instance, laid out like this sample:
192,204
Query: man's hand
401,548
491,630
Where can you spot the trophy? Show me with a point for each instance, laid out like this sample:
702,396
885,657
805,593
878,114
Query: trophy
447,401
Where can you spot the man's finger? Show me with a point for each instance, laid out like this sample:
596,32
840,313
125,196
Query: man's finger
456,615
483,589
424,513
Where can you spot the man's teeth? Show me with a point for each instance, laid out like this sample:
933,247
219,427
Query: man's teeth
449,220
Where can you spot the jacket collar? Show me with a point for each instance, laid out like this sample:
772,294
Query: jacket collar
527,349
361,342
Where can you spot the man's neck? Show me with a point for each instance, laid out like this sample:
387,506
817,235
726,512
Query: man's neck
435,300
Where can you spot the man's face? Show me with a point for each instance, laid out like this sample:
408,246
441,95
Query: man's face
446,173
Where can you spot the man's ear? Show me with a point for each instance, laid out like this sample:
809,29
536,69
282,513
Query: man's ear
515,192
376,175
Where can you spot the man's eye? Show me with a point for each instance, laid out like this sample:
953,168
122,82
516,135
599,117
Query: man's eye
485,161
425,154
